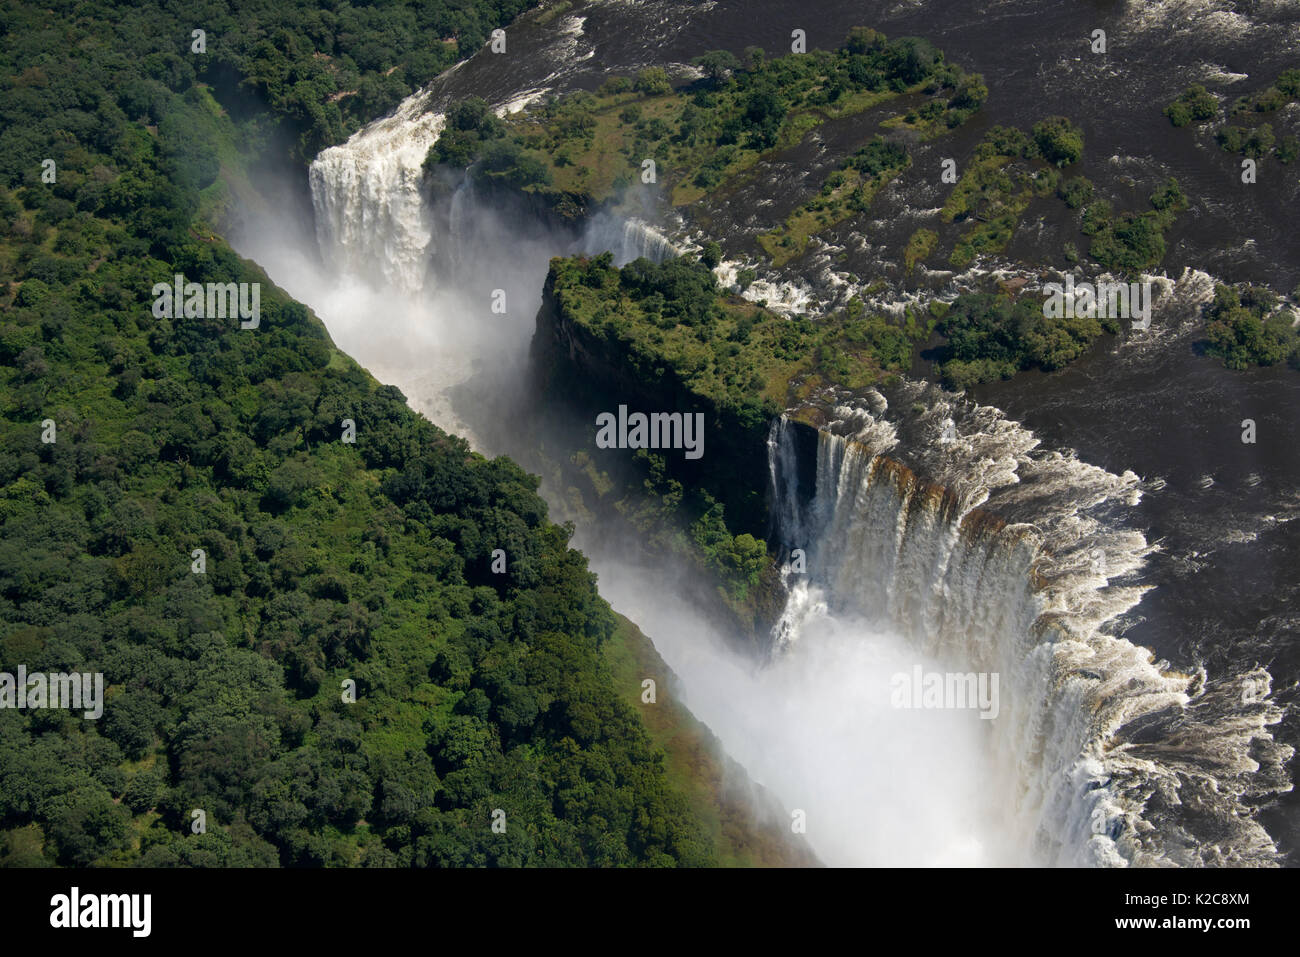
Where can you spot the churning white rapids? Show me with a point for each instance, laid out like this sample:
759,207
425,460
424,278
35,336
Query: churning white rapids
405,286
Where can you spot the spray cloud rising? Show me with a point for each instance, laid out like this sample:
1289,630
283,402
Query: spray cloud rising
436,290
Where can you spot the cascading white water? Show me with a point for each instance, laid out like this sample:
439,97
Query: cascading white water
456,281
900,573
627,237
374,219
371,218
641,240
1028,600
461,200
808,729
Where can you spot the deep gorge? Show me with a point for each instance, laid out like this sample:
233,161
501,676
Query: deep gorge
983,546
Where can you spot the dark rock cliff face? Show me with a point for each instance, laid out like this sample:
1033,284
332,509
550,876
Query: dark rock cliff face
534,216
590,373
586,375
733,468
557,210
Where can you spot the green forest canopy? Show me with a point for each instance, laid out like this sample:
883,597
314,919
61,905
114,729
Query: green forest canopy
325,560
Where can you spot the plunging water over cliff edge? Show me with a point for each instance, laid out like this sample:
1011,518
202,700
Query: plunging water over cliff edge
380,215
924,513
920,513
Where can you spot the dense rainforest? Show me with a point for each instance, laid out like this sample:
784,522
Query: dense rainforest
330,633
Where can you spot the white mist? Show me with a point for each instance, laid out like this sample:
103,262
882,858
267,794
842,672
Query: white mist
878,785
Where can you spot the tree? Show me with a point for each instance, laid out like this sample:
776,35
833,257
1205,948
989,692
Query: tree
717,64
971,93
764,113
1241,331
1076,192
85,825
1131,244
1169,196
864,40
652,81
1058,140
468,114
1194,104
910,59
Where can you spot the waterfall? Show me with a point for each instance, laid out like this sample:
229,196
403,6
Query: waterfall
1011,560
374,220
371,218
934,525
627,237
640,239
456,219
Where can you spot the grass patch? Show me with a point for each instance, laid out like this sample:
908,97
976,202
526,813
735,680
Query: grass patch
920,246
693,760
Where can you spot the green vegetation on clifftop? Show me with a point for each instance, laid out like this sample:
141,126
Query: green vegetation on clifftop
672,322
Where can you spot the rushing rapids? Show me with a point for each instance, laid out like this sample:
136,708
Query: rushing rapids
1013,560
